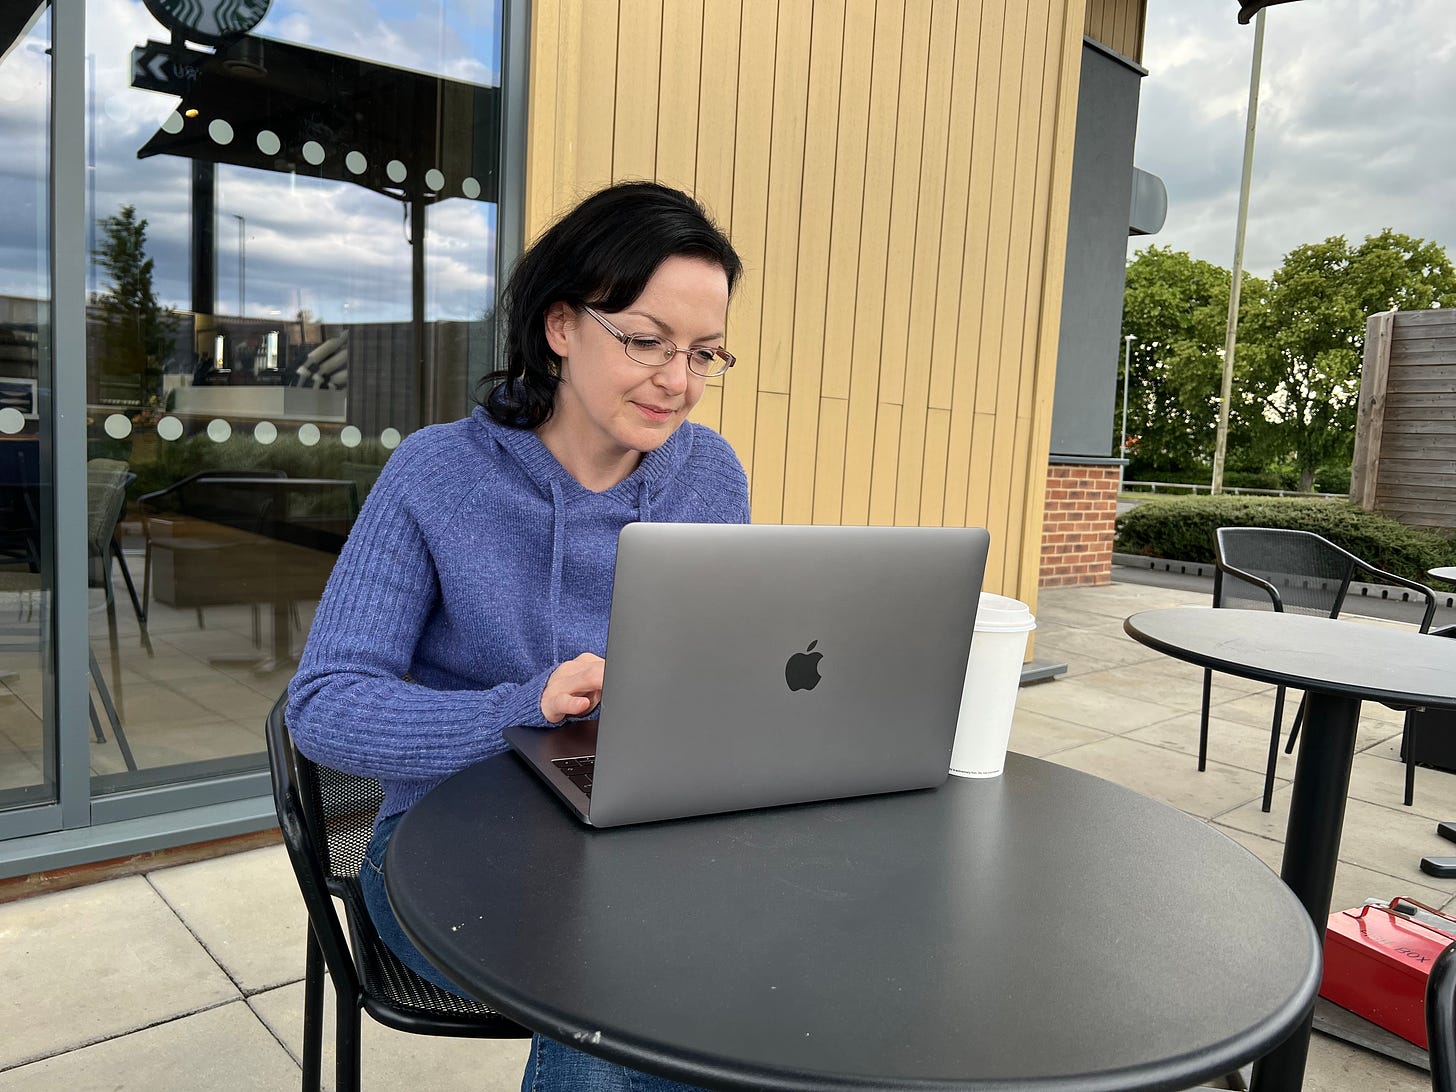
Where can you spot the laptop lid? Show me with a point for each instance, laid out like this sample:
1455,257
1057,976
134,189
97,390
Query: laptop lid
755,665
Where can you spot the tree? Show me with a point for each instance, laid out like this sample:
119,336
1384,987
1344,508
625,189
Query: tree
1177,308
138,334
1312,334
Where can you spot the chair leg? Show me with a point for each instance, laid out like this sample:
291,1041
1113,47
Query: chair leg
1273,763
111,715
346,1042
1298,721
1410,758
1203,720
136,603
313,1015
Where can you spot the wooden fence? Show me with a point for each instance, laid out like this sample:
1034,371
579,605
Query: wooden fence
1405,432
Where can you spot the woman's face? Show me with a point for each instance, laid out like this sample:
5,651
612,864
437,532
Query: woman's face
609,409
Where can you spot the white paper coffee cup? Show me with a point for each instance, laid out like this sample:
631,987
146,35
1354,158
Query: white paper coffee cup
993,676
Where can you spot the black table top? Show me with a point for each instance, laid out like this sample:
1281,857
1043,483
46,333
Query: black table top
1327,655
1046,928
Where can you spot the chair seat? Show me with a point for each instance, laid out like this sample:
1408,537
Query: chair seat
397,997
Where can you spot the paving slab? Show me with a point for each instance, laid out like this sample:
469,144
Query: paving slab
1164,684
95,962
1165,775
1388,840
1379,777
1353,883
246,911
1230,742
1039,735
1083,702
1258,710
391,1060
223,1048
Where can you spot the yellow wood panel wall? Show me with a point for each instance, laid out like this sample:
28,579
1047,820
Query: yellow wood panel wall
1118,24
895,175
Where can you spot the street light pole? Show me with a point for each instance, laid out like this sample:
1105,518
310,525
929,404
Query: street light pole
1220,446
242,261
1126,382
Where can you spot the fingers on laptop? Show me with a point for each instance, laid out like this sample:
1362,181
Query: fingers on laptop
574,688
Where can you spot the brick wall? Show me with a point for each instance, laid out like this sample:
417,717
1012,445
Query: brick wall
1077,525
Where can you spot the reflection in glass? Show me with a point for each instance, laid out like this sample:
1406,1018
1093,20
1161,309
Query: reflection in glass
27,757
267,369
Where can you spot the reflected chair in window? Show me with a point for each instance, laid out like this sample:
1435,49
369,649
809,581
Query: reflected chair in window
26,634
1265,568
106,485
327,818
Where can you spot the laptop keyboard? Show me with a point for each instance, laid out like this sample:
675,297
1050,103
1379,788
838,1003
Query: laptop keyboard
578,770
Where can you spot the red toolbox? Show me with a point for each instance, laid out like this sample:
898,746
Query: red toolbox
1378,958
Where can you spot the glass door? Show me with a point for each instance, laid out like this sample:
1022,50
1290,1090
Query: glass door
28,763
293,213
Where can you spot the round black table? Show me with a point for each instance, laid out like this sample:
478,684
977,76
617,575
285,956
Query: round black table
1337,663
1045,929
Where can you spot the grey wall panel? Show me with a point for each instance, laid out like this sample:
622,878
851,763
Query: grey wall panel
1102,173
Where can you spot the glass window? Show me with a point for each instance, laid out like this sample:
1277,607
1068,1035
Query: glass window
27,756
292,268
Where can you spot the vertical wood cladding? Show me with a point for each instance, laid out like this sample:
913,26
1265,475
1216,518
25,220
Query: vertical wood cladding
895,175
1118,24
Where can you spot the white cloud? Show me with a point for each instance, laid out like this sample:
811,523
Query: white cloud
1356,127
310,243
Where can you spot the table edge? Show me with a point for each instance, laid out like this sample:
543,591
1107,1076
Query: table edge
1184,1071
1210,662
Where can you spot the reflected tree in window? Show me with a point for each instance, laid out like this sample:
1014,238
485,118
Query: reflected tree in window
137,333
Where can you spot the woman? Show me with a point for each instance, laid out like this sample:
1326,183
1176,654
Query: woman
474,590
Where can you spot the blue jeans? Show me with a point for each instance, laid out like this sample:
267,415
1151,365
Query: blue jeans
551,1066
556,1068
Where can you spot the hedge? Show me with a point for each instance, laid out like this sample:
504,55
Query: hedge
1182,529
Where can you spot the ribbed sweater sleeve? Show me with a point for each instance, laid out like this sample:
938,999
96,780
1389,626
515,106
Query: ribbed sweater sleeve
351,706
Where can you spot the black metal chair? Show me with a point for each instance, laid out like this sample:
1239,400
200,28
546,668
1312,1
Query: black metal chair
327,817
1441,1021
1265,568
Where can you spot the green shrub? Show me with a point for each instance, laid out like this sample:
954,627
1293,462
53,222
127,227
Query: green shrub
1182,529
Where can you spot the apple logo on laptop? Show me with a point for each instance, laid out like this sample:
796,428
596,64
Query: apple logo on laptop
802,670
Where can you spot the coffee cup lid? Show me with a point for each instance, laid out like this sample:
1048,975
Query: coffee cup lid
1002,613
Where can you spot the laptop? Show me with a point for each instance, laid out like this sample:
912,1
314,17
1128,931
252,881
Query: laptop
757,665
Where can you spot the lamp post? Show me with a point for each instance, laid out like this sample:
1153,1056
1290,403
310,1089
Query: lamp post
1220,445
1127,341
242,261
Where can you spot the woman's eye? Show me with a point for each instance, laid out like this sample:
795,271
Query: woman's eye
646,342
705,356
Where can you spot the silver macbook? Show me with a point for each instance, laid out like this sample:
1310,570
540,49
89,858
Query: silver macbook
750,666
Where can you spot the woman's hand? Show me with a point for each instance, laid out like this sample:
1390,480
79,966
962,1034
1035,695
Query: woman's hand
574,688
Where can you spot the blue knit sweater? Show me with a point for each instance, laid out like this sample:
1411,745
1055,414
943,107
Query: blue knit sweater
475,567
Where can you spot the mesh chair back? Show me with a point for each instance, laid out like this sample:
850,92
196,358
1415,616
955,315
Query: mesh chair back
1310,574
106,485
345,806
327,818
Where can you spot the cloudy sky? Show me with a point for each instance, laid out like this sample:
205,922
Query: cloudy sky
336,249
1356,125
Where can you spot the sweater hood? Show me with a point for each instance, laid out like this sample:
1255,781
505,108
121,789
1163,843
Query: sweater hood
640,489
637,491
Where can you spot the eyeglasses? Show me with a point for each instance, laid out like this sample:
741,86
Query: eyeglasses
655,351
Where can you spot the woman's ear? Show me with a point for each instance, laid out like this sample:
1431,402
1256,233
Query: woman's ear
560,320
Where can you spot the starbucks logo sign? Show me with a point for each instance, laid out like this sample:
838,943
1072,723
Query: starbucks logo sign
210,21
